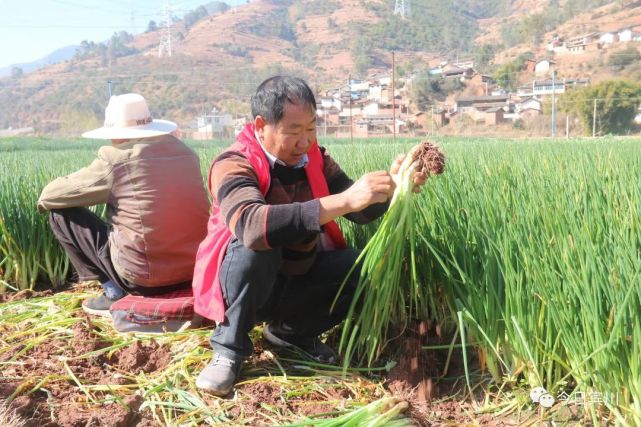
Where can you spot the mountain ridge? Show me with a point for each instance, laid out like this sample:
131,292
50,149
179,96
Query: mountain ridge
53,57
218,60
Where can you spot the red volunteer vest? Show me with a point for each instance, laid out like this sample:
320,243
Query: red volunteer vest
208,297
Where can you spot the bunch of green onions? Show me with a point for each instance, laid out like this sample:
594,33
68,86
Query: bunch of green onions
389,289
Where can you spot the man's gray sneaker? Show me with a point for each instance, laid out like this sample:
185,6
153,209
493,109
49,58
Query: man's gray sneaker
219,376
281,335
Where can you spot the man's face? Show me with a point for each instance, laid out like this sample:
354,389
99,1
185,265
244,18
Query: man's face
290,138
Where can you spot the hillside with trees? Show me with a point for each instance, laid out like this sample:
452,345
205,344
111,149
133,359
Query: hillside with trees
221,54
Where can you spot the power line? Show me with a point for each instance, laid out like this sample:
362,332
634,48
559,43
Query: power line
84,6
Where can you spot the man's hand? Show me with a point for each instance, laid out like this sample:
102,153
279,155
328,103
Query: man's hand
374,187
419,177
371,188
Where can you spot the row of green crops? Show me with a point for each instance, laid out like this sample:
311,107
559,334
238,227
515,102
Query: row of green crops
533,250
29,253
530,248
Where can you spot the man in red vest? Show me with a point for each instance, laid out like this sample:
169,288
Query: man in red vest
273,252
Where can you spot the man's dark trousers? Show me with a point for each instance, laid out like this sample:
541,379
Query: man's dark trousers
85,239
254,290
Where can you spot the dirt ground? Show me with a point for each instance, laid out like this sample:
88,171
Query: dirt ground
30,380
63,404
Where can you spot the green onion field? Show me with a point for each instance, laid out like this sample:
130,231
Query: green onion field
526,266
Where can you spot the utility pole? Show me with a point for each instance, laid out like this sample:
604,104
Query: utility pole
553,103
164,48
567,127
594,120
349,83
393,99
109,82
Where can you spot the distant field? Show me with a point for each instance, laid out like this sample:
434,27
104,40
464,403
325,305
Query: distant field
532,253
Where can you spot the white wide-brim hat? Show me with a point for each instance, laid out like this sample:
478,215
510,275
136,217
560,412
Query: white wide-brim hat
127,117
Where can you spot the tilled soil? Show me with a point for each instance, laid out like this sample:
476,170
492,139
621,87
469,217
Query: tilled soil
63,404
37,383
139,357
422,378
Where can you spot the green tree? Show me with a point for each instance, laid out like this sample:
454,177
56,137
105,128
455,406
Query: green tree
217,7
535,26
405,68
275,24
152,26
450,85
433,25
506,75
118,45
194,16
622,58
235,107
361,55
520,59
617,102
426,89
423,90
512,34
483,55
483,8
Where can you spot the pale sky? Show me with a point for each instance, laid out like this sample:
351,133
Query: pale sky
30,29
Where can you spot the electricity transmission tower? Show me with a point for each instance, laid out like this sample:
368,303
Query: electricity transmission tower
164,48
402,7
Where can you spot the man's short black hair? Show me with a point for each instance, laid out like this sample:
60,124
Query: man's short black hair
272,94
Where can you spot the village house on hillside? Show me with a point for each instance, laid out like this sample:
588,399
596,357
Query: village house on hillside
366,104
629,35
486,109
528,107
464,63
594,41
329,102
479,84
586,42
608,38
364,107
542,66
459,69
528,103
458,73
549,86
494,110
466,104
214,125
